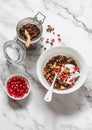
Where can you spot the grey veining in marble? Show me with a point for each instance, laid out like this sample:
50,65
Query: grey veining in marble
73,20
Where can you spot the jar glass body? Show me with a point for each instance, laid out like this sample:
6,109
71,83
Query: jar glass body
35,41
14,51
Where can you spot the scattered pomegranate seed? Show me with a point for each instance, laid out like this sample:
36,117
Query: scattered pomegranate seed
59,39
52,40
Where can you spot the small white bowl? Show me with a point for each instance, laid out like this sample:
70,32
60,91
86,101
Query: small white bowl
66,51
18,75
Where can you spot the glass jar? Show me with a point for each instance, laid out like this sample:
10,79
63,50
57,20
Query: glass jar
36,20
15,50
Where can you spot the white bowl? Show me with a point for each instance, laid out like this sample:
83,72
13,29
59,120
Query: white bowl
66,51
28,82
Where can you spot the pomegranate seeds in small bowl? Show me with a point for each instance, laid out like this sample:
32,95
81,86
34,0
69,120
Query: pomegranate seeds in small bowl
17,87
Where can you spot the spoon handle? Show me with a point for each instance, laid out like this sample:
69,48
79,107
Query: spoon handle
48,95
28,42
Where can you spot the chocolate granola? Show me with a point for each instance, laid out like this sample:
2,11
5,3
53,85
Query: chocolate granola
67,69
32,29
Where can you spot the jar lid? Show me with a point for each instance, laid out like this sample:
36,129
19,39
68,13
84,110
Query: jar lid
14,51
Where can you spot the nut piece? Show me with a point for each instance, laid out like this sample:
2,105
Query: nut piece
56,67
70,60
50,29
44,73
62,88
48,75
58,76
65,70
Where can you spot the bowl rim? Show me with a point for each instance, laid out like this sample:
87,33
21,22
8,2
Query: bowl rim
20,75
55,90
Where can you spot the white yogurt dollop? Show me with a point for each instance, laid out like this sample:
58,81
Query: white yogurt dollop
70,67
72,75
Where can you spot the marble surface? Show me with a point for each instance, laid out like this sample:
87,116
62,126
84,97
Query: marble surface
73,20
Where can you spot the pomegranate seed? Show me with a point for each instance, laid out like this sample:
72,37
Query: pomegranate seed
59,39
52,40
11,90
65,83
72,84
62,74
9,81
56,70
76,69
50,79
73,79
12,83
55,86
62,78
18,82
58,64
63,65
21,85
8,85
15,87
15,79
22,79
66,76
26,90
53,59
22,91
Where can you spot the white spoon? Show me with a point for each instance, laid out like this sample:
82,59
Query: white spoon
48,95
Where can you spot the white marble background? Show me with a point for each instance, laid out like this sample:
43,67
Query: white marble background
73,20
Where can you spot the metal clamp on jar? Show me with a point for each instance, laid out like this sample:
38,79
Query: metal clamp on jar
15,50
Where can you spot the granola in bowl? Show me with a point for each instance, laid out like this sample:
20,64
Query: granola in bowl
67,69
